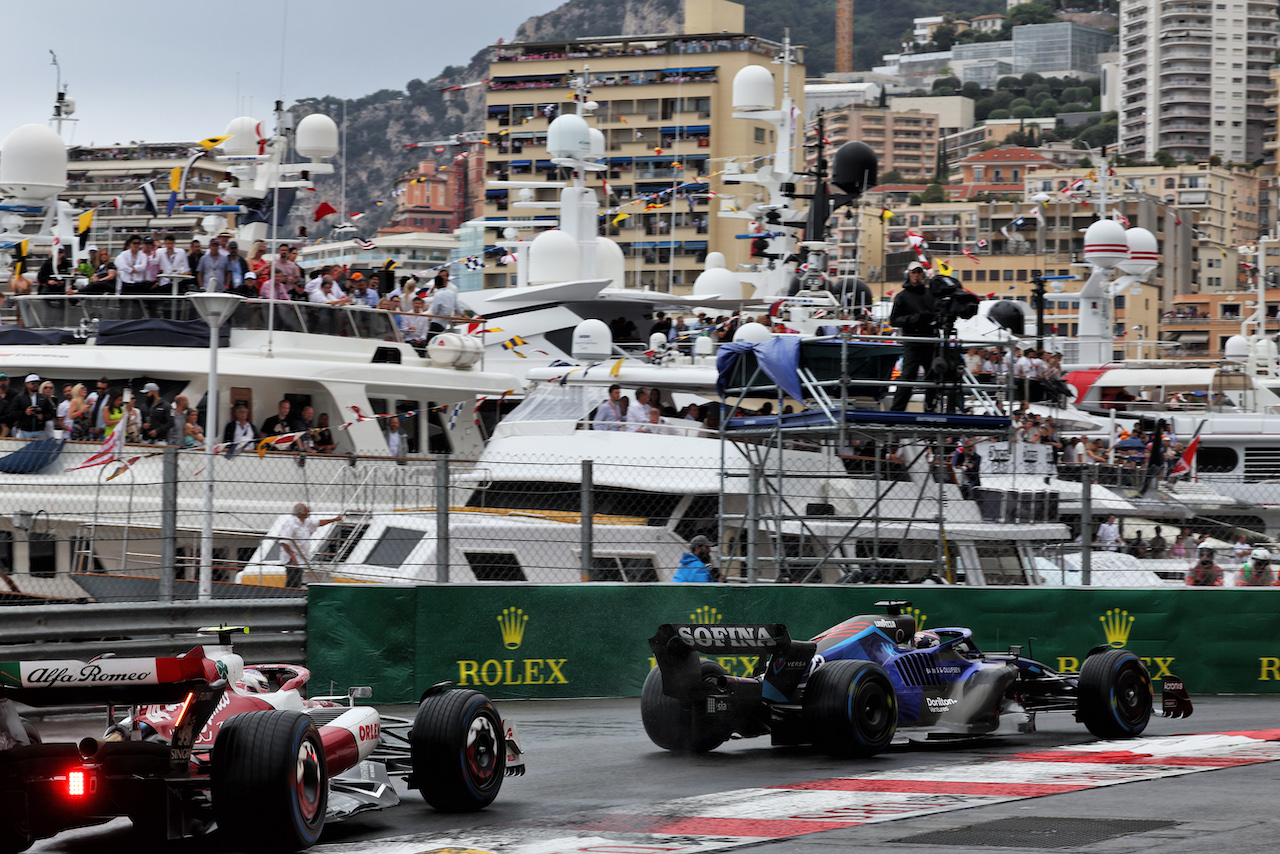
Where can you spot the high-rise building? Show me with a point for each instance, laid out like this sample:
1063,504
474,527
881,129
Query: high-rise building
1194,78
665,106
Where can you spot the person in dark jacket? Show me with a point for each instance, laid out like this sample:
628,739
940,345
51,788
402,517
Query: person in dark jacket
157,415
915,314
30,409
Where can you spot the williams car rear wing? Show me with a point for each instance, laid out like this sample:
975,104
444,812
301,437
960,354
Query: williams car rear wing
679,647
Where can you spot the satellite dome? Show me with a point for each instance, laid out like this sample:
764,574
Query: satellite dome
1144,252
33,164
317,137
553,257
592,340
245,132
752,333
1007,313
753,89
611,263
714,260
718,282
569,136
1105,244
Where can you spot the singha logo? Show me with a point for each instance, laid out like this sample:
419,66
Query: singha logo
1117,624
706,615
512,622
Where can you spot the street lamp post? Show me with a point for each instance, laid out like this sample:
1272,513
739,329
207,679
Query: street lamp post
215,309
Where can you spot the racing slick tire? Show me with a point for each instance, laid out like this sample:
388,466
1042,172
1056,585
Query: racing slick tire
851,708
458,749
677,726
1114,694
270,781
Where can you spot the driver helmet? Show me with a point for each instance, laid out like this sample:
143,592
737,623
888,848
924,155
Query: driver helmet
926,640
1260,556
254,682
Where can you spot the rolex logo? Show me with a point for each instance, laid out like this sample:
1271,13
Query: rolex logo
706,614
512,622
1116,624
920,618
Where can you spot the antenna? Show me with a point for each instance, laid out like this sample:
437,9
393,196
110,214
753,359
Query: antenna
63,106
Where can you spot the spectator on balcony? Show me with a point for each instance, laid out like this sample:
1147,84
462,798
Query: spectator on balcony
1157,546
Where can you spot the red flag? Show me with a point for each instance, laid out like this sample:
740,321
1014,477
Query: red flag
323,211
972,257
1188,458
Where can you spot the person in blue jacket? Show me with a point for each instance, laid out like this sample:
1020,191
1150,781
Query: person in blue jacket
695,564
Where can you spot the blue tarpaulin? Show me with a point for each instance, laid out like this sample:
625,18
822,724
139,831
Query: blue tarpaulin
35,456
778,358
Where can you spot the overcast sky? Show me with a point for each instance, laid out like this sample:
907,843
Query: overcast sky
180,71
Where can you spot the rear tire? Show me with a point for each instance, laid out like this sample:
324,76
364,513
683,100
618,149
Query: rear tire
270,782
1114,694
851,707
459,751
673,725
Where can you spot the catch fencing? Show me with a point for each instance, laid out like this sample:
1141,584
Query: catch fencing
795,512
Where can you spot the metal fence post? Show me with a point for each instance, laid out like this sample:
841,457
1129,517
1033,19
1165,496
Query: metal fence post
168,523
1086,526
753,525
442,519
588,514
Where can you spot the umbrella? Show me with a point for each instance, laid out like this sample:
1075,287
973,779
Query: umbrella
1131,444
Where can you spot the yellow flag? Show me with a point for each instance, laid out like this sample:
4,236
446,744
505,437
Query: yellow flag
945,269
886,215
212,142
84,222
620,217
175,178
617,368
21,259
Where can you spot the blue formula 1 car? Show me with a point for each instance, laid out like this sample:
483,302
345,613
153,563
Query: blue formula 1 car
849,690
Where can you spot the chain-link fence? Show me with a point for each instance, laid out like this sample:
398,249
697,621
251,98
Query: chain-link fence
867,511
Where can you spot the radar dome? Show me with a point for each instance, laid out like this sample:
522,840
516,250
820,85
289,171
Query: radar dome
1144,252
611,263
856,168
1008,314
592,341
1105,244
553,257
245,132
33,163
752,333
753,89
598,144
855,292
569,136
714,260
317,137
718,282
1236,348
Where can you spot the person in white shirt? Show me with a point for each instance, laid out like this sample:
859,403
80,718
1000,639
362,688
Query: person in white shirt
1109,535
173,264
294,536
655,425
638,415
131,268
417,327
609,415
328,293
1022,366
444,303
395,441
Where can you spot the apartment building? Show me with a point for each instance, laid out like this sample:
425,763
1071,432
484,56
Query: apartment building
1195,78
904,141
665,108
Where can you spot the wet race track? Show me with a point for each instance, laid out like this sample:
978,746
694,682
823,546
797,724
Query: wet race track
596,784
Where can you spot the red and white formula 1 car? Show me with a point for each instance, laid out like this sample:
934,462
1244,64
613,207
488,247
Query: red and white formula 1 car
211,743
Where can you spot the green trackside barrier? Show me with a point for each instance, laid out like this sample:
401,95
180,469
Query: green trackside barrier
589,640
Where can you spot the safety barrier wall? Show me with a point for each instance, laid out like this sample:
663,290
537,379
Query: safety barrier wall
590,640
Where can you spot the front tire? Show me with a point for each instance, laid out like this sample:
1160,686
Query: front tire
673,725
270,781
851,707
458,748
1114,694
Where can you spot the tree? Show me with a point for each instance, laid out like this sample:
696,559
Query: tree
1024,112
1019,102
1074,107
951,83
999,114
988,145
1104,133
1215,161
944,36
1013,84
893,176
1031,78
972,89
1028,13
933,193
914,200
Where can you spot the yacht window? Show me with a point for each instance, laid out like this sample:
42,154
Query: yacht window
42,550
393,547
1000,563
622,568
702,517
1218,460
494,566
655,508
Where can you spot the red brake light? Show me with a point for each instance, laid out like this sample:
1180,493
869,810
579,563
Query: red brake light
75,784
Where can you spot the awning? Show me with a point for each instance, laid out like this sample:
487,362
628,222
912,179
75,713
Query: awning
1195,336
520,163
499,109
527,78
688,70
545,164
695,244
495,194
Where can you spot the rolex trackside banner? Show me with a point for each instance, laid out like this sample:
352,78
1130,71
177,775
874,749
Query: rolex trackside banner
591,640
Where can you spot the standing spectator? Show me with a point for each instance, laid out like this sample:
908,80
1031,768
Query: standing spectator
417,328
306,424
914,314
156,414
361,293
240,430
287,269
211,272
324,436
1138,547
192,435
1183,543
609,413
238,271
174,267
444,303
280,423
969,466
1256,571
295,541
1204,572
30,410
258,263
178,421
638,415
1157,546
1109,535
661,325
1241,549
50,424
194,254
695,564
150,283
98,402
131,268
115,413
103,280
395,439
71,412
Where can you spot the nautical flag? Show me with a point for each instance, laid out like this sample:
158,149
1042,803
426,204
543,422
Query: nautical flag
620,217
982,244
453,416
377,203
212,142
1177,218
1188,458
972,257
362,243
886,214
322,211
623,119
475,262
355,216
1038,213
84,222
945,269
117,203
549,110
19,261
513,342
273,441
108,451
1122,219
172,203
149,197
389,266
916,242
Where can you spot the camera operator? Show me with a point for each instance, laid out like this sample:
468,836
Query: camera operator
915,313
1204,572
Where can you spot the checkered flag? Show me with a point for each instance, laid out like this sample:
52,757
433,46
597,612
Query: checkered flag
475,262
